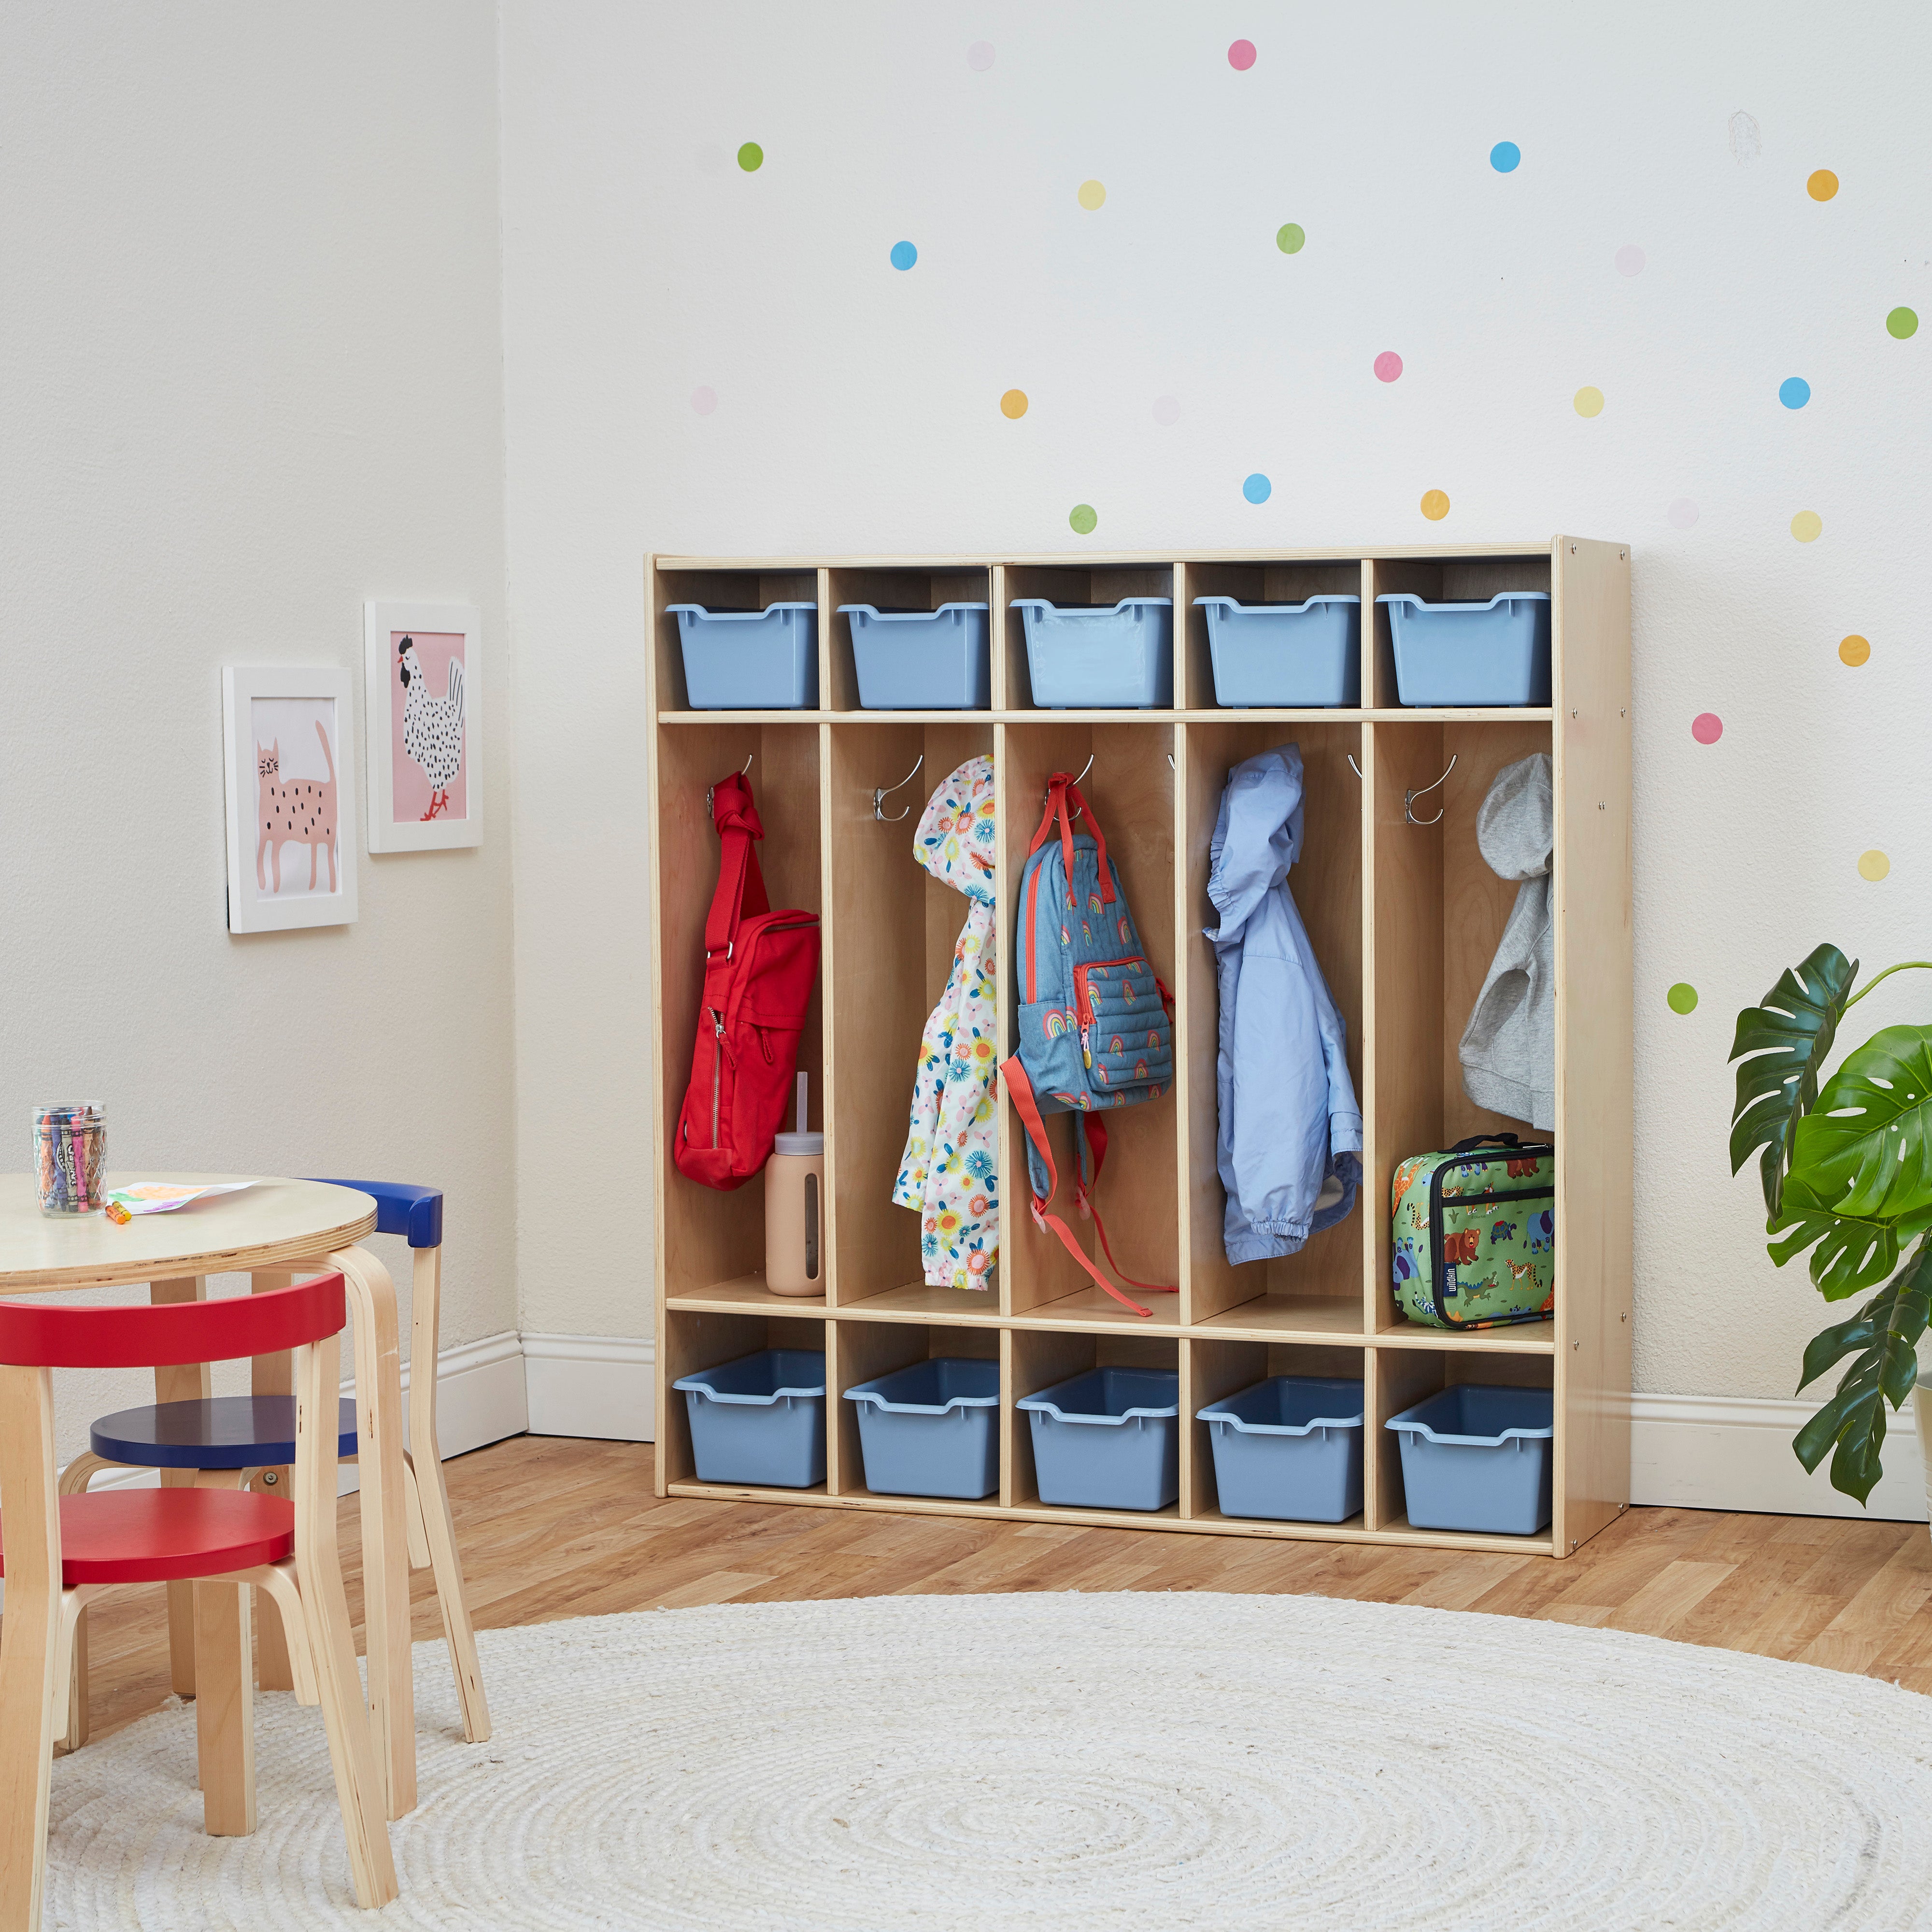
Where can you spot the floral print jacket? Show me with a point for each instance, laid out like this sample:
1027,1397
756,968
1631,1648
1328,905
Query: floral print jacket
948,1172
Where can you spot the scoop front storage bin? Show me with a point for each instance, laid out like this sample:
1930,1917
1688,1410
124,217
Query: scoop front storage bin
1081,657
1492,653
1109,1439
928,1430
922,660
1286,655
760,1420
750,660
1477,1457
1289,1449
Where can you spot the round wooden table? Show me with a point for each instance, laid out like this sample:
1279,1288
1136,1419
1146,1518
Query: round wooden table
273,1230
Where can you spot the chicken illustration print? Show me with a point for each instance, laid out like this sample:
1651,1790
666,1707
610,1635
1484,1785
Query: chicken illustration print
432,727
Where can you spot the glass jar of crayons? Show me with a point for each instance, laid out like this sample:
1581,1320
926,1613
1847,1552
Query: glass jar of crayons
70,1157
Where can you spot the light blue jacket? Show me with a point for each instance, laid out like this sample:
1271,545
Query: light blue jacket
1289,1142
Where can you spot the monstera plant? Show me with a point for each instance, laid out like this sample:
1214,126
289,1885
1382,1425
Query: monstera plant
1847,1174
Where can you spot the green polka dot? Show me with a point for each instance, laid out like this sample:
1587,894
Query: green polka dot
1083,520
751,157
1902,322
1288,239
1682,997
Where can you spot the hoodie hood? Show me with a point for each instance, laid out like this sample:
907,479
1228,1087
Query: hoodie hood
1257,837
954,840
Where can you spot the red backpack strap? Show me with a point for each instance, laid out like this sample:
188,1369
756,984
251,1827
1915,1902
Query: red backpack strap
1021,1088
1061,788
741,886
1096,1131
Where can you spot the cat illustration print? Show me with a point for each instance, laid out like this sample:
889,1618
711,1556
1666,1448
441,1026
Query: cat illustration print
301,812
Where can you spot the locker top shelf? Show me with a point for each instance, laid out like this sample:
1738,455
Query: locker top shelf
1117,559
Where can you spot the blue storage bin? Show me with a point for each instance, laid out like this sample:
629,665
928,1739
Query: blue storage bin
1305,654
750,660
1082,657
928,1430
760,1420
1492,653
1109,1439
1289,1448
1476,1456
922,660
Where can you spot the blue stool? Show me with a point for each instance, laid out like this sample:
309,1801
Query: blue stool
248,1441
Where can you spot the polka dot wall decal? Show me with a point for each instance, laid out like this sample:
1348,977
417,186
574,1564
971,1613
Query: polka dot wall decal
751,157
1257,488
1682,513
1083,520
704,401
1388,366
1902,322
1013,404
1807,526
1504,156
1166,410
1855,650
1682,998
1588,402
980,55
1435,506
903,255
1092,194
1241,56
1289,238
1823,185
1630,261
1707,727
1873,865
1794,392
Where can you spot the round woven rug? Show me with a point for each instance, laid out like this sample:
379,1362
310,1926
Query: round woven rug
1066,1761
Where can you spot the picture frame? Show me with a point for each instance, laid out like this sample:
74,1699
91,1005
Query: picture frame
288,791
425,730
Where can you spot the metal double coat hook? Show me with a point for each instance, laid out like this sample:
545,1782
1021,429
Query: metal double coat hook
881,794
711,791
1409,798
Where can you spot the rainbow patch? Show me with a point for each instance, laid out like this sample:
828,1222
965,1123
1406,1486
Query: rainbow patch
1055,1024
1065,937
1094,903
1116,1044
1153,1042
1122,928
1140,1069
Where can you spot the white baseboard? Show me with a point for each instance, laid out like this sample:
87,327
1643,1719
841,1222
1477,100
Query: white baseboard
591,1385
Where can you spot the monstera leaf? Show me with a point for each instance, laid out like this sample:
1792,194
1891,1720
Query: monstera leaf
1788,1038
1866,1148
1852,1254
1884,1335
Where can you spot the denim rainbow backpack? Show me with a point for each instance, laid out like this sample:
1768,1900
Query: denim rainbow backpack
1096,1029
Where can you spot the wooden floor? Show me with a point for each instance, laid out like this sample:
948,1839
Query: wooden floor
1850,1595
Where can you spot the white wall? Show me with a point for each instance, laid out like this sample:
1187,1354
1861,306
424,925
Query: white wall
857,410
251,363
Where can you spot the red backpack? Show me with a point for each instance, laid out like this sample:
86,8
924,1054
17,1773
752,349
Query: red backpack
759,967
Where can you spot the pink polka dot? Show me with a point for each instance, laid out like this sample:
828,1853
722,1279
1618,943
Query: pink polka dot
1707,727
1630,261
1682,513
1166,410
704,401
980,56
1388,366
1241,56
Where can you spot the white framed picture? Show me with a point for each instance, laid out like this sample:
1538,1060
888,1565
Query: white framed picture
423,700
288,783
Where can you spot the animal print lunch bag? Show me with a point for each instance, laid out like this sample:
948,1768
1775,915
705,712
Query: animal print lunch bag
1475,1234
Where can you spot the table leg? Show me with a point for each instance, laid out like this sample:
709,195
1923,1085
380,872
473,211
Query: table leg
224,1713
386,1556
186,1381
271,1375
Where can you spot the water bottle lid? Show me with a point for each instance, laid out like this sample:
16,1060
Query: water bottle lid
810,1145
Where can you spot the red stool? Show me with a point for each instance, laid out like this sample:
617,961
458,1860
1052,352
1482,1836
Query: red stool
61,1551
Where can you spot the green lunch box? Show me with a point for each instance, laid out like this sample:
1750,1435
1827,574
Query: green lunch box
1475,1234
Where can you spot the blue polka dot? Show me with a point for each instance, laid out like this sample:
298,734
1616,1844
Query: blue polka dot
1257,489
903,254
1794,392
1504,156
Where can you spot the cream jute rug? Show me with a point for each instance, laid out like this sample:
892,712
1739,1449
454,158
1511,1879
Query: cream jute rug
1060,1761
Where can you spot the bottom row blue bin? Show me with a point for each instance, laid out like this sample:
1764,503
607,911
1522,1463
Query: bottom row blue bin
928,1430
760,1420
1289,1449
1109,1439
1477,1457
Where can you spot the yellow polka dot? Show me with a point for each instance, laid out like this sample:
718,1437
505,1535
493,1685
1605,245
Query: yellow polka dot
1092,194
1435,506
1589,402
1807,526
1873,865
1823,185
1013,404
1854,649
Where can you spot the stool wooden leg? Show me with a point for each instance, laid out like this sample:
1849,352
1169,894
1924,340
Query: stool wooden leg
269,1375
224,1712
183,1382
74,1481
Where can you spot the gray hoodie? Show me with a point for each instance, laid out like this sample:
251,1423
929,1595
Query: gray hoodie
1289,1141
1509,1047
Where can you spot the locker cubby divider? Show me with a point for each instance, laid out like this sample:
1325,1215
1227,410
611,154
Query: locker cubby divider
1404,918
